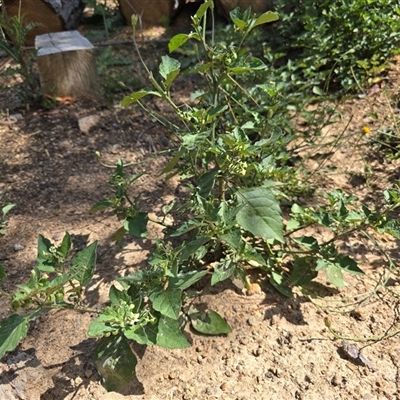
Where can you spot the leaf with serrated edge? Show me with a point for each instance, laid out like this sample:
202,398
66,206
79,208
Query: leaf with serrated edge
83,264
168,66
65,246
260,214
44,245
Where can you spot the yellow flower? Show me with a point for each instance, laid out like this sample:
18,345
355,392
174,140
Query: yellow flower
366,130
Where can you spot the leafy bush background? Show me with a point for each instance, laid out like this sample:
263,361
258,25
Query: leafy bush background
336,43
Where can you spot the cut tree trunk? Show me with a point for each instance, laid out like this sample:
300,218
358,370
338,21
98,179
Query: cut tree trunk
67,68
257,6
49,15
150,12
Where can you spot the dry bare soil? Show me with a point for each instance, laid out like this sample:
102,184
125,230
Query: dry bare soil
279,347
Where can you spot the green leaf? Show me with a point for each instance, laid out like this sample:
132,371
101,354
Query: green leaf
335,275
2,273
303,271
265,18
134,97
137,225
44,246
101,205
177,41
115,362
227,213
169,69
98,328
233,238
7,208
185,280
260,214
206,183
12,330
59,281
391,227
83,264
292,224
191,248
65,245
321,264
277,282
308,242
236,18
251,256
208,322
119,235
203,9
171,165
168,302
254,65
349,265
146,335
170,335
135,277
192,142
116,296
214,112
316,90
135,177
223,270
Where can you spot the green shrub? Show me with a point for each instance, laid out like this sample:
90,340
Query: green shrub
337,43
13,32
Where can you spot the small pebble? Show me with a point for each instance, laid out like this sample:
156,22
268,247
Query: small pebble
18,247
78,380
88,373
255,288
335,381
164,141
276,371
56,236
15,117
172,375
257,352
252,321
64,145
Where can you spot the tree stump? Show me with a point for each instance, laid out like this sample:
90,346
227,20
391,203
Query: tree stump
150,12
50,15
67,66
257,6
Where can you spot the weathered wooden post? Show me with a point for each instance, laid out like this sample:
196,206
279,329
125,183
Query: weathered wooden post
66,65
